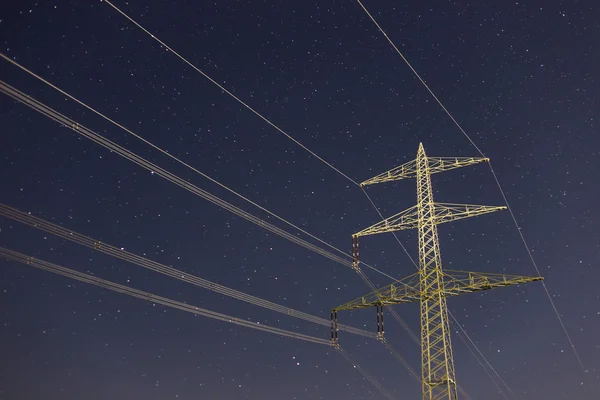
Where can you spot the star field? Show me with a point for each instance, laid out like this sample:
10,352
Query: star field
520,78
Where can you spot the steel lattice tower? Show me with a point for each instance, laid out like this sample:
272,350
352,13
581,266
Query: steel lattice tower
431,284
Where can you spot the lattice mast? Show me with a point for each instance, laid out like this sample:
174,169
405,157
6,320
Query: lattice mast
431,285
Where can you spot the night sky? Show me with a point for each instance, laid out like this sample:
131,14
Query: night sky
521,78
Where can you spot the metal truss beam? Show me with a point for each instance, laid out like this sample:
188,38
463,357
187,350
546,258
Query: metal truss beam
407,290
442,213
436,164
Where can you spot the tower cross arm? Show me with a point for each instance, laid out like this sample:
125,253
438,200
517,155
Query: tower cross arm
441,164
407,219
461,282
444,212
435,164
447,212
404,171
408,290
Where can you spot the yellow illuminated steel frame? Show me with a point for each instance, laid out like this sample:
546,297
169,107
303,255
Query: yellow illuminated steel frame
430,285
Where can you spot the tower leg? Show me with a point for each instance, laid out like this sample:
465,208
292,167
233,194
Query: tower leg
437,361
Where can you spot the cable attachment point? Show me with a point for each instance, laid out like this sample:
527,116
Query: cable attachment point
355,254
380,327
334,330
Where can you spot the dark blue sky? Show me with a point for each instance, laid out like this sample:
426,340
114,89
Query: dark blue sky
522,79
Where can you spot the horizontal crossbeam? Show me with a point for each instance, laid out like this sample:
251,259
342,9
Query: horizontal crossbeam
443,212
436,164
407,290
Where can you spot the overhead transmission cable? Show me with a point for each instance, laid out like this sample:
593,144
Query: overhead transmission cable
165,152
411,370
103,283
364,373
514,219
22,258
94,280
228,92
125,255
155,169
478,358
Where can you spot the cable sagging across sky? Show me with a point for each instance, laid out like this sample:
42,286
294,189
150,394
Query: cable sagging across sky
69,273
125,255
103,283
155,169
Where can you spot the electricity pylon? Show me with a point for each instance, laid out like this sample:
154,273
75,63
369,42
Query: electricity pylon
431,284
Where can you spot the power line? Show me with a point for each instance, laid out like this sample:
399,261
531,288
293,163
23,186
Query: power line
564,328
367,375
155,169
163,151
228,92
93,280
479,361
125,255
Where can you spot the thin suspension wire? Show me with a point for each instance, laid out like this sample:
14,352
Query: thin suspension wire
560,320
402,360
57,269
228,92
122,254
416,73
366,374
393,233
462,337
552,303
